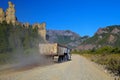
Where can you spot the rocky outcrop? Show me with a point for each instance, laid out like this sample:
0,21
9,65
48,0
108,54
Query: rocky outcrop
115,31
86,47
26,25
10,13
2,15
111,39
101,31
9,17
108,36
65,37
41,29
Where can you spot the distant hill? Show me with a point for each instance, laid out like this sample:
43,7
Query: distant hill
108,36
65,37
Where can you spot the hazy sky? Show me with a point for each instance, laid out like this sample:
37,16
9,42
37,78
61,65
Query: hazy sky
81,16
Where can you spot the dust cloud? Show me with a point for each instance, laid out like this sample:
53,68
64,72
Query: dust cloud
22,61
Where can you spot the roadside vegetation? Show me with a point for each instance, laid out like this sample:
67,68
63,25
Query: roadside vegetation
106,56
17,40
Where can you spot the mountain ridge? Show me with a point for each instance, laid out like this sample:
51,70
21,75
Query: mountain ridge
65,37
108,36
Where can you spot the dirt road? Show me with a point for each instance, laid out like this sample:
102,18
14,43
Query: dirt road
77,69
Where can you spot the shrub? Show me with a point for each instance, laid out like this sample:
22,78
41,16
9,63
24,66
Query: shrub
114,65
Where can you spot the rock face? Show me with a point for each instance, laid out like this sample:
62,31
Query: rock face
9,17
41,29
26,25
10,13
115,31
108,36
65,37
101,31
2,15
86,47
111,39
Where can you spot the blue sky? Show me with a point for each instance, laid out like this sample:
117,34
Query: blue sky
81,16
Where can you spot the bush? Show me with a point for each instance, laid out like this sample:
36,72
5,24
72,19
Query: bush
107,56
17,39
4,58
114,65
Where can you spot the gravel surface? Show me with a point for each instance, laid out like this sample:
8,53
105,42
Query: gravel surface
77,69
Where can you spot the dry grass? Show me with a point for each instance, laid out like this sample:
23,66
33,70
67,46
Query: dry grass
110,61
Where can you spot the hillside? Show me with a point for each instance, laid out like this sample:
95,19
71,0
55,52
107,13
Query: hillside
65,37
109,35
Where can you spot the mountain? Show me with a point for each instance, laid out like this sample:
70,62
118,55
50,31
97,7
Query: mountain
108,36
65,37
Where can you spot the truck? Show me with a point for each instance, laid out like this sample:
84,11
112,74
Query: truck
55,49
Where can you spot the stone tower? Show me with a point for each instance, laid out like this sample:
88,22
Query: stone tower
10,13
2,15
41,29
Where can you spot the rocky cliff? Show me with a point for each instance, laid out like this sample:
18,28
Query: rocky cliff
9,15
2,15
108,36
41,29
65,37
